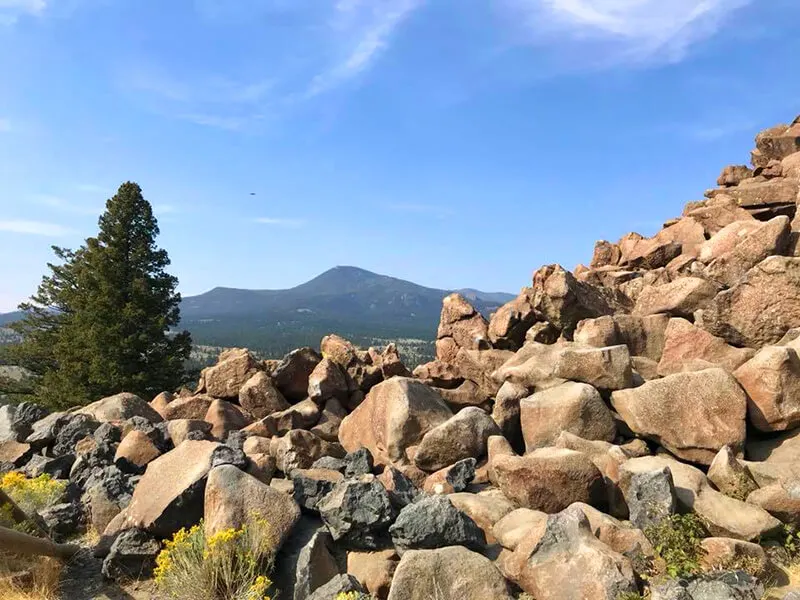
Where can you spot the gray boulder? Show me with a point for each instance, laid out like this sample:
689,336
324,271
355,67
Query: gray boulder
132,556
358,513
433,522
651,497
720,585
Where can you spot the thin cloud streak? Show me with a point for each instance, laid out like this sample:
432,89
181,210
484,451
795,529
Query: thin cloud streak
372,40
420,209
610,32
35,228
278,222
61,204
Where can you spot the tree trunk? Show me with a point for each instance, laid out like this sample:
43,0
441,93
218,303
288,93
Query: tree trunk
16,542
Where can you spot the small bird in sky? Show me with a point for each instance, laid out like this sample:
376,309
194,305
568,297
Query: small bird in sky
252,193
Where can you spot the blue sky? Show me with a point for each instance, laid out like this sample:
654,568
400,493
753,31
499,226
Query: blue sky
454,143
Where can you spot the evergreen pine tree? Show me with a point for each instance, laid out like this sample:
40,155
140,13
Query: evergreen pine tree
99,322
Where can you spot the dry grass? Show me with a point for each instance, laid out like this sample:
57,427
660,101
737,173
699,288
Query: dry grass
26,578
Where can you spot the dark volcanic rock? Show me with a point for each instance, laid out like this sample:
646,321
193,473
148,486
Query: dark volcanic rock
358,513
434,522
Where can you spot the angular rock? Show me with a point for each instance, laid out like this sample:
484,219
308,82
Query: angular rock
63,520
298,449
433,522
234,499
509,324
259,396
57,468
606,368
455,573
716,213
15,453
137,449
160,402
326,381
771,380
225,418
358,513
312,485
774,459
188,407
339,586
462,436
760,308
651,498
569,563
518,525
722,515
564,301
726,239
400,488
454,478
729,476
687,346
506,412
395,415
120,407
733,175
330,419
16,421
766,240
485,508
460,326
292,373
693,415
679,298
550,479
170,494
233,369
373,570
314,563
721,553
781,500
180,429
302,415
132,556
357,463
573,407
730,585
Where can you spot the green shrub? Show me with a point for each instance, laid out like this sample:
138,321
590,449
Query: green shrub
676,541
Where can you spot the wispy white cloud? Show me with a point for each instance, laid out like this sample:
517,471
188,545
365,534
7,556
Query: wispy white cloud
63,205
34,228
5,125
420,209
93,188
12,10
366,26
336,41
603,32
277,222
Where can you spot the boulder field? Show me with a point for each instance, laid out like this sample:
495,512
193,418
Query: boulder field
532,455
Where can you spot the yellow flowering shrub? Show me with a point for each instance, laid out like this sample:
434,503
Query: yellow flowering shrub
231,564
31,495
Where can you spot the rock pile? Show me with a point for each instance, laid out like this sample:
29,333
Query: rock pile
532,454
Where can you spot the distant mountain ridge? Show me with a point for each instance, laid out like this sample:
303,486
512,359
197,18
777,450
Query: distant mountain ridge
350,301
353,302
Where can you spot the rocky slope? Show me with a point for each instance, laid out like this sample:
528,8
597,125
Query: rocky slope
535,454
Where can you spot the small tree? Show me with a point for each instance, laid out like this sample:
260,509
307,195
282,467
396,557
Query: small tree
99,323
